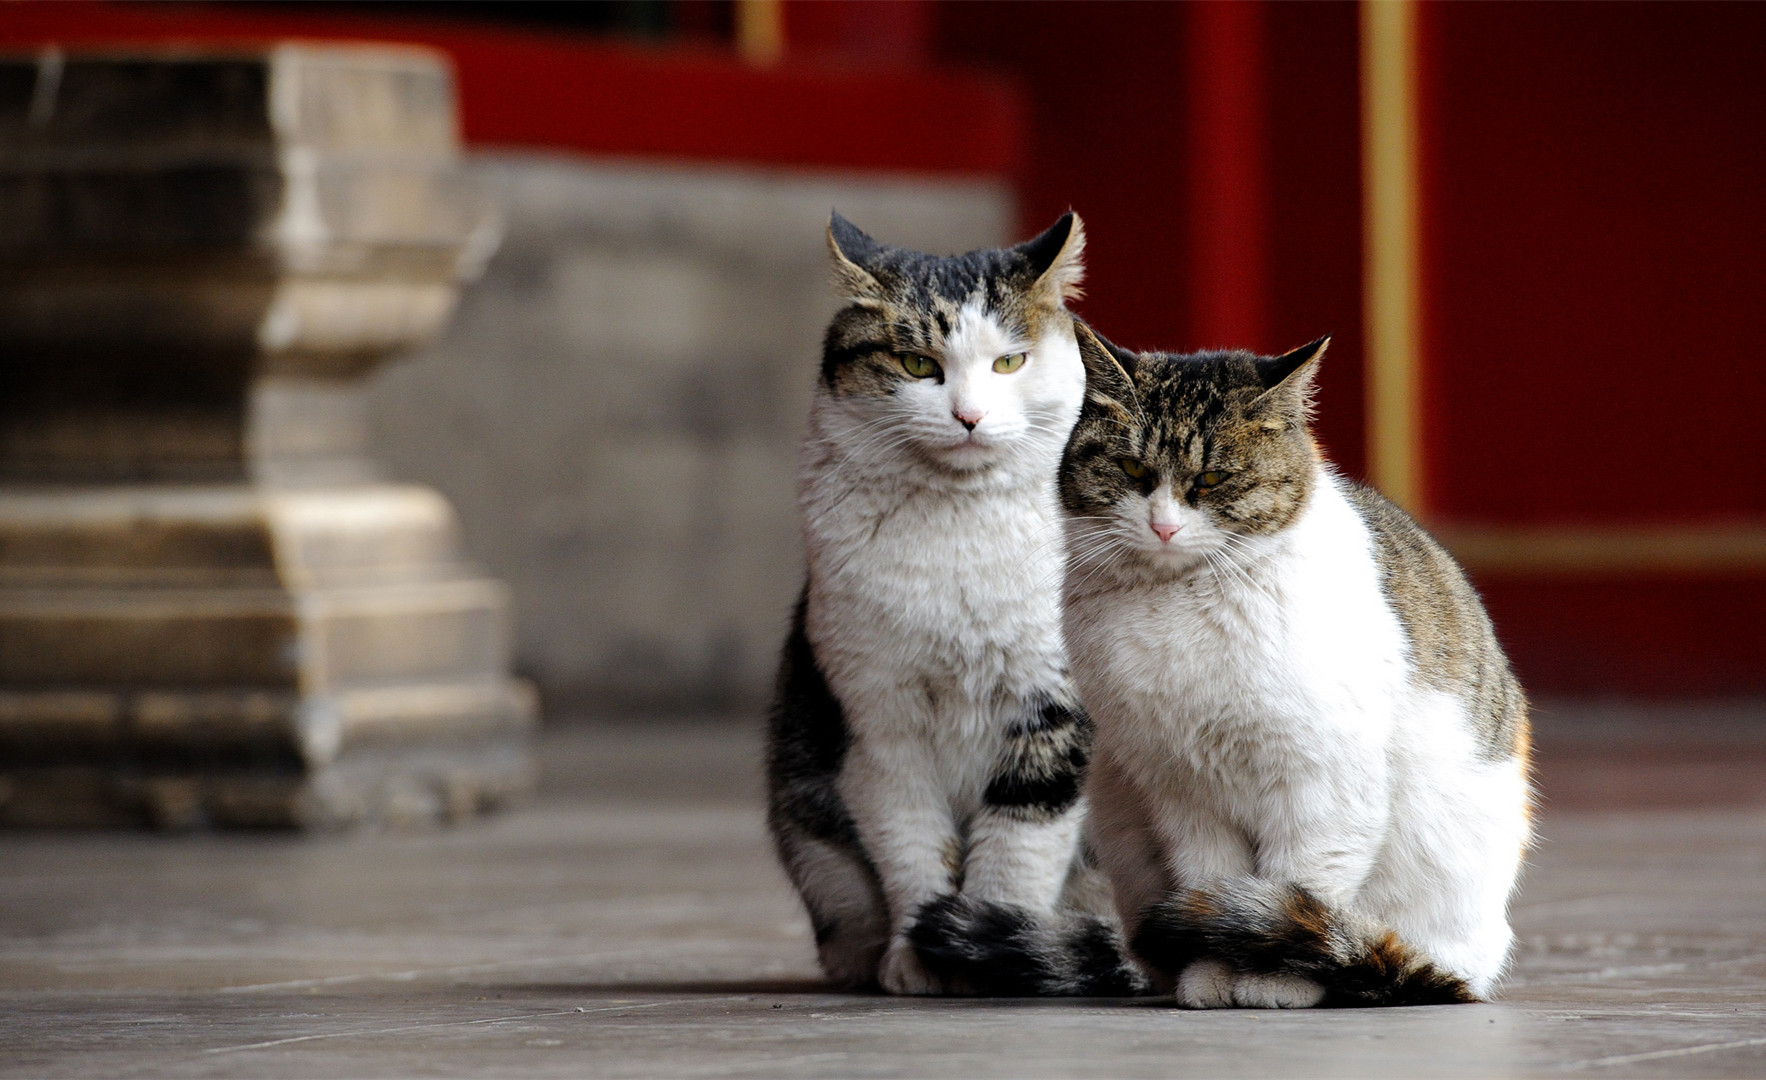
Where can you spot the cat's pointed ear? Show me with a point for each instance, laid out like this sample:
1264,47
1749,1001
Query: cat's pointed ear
1288,378
1107,368
850,248
1057,260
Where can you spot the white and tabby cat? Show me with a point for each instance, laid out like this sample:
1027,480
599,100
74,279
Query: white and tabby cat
926,740
1309,777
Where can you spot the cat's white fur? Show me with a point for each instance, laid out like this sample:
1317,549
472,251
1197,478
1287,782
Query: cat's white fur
1256,719
933,614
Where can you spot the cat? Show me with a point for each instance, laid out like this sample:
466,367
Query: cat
925,738
1310,776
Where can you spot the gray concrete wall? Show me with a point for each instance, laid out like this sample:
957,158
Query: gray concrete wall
615,410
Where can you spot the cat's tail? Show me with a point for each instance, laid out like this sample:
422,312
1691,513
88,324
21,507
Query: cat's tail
999,950
1284,929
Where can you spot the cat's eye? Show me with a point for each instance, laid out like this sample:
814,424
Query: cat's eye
920,367
1009,363
1212,478
1133,467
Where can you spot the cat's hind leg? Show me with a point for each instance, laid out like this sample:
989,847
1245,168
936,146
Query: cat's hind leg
1456,852
845,905
813,831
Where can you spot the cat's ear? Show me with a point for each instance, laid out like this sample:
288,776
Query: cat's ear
850,248
1288,378
1107,379
1057,260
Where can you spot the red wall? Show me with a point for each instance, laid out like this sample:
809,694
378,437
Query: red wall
1315,261
1595,200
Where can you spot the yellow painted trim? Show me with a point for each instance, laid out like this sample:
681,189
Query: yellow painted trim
1392,265
1640,550
760,31
1392,290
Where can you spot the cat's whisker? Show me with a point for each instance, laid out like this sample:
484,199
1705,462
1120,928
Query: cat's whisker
1253,556
1224,565
1091,555
1089,550
879,442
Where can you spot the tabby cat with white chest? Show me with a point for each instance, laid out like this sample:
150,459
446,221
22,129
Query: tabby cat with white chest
1309,780
926,740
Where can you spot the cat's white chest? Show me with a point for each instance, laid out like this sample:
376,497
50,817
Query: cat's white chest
952,587
1294,662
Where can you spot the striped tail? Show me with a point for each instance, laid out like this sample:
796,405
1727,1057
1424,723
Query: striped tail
998,950
1284,930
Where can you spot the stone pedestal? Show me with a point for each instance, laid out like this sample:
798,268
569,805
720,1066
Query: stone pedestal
212,609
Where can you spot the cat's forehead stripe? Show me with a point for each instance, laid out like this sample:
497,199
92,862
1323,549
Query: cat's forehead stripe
932,282
979,330
1192,393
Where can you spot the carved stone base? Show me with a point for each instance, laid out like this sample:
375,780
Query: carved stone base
234,655
210,610
438,766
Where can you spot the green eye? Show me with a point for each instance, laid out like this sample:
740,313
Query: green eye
1212,478
1005,365
920,367
1133,467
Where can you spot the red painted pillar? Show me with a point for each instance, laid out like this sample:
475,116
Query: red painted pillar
1229,178
883,33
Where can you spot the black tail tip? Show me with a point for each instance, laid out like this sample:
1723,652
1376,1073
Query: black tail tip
1000,950
962,930
984,947
1286,929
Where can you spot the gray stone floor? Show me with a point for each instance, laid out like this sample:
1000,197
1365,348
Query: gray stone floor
631,923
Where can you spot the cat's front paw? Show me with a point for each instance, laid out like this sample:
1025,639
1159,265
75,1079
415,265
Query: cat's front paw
1276,992
1206,984
902,973
1214,984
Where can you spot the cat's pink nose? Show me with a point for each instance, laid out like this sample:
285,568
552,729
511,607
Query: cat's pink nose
1166,532
968,417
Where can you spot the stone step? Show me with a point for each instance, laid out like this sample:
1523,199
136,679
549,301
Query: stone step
224,535
252,725
308,641
415,785
411,753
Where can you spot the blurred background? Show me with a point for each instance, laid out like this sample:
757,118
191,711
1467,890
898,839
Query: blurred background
1534,232
350,391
